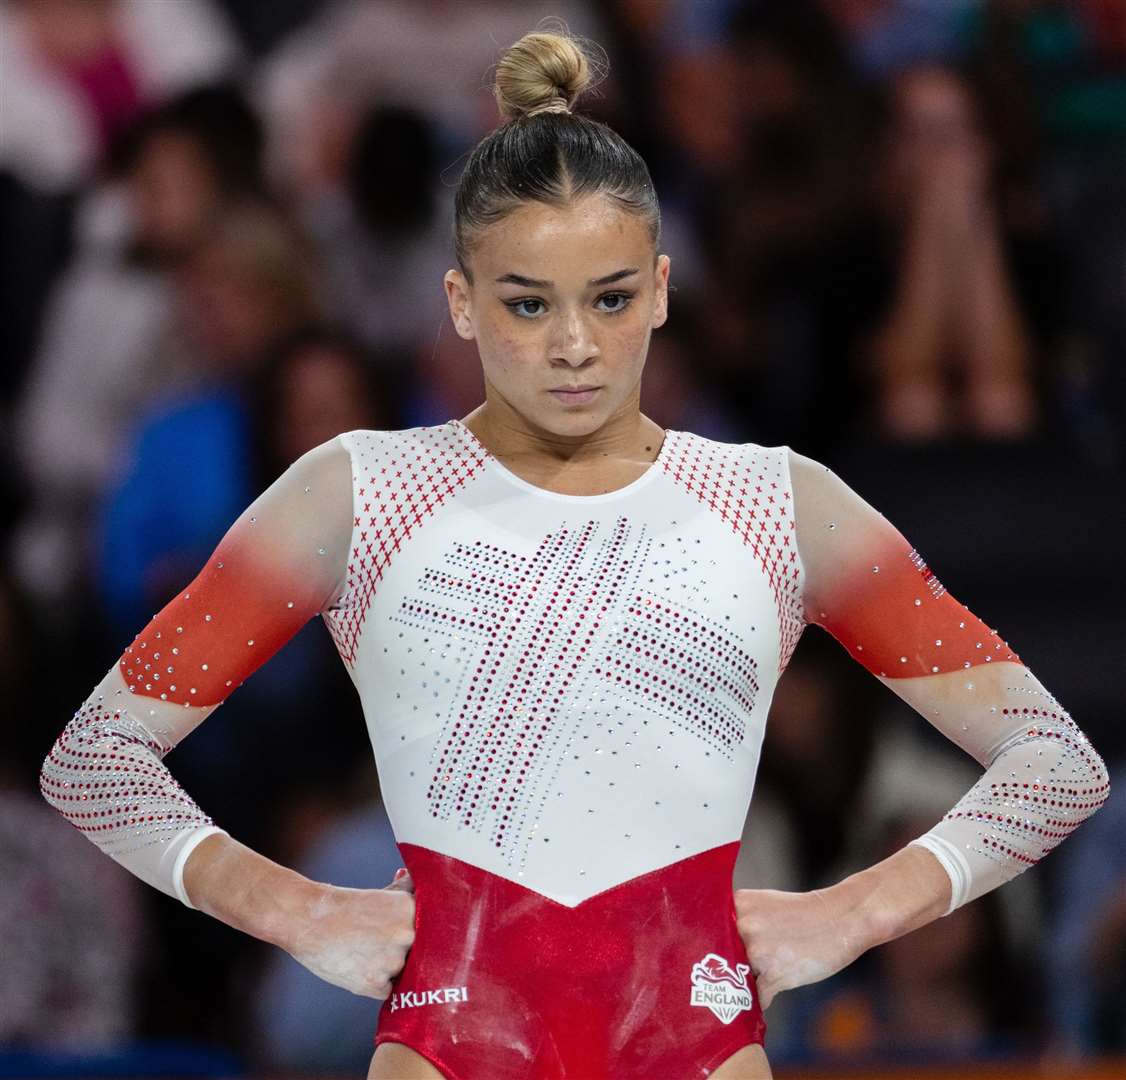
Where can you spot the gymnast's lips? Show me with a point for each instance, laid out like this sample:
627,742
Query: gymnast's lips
575,395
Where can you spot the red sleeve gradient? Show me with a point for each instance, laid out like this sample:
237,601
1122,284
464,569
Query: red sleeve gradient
896,618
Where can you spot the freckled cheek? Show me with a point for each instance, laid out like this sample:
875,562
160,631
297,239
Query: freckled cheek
629,345
511,348
508,354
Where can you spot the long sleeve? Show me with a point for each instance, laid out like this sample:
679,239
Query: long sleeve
868,587
280,563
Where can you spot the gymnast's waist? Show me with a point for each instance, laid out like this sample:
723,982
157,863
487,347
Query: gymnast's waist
460,908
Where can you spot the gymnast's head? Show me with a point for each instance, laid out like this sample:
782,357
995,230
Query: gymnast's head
557,230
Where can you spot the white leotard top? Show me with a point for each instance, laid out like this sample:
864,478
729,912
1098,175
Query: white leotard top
568,691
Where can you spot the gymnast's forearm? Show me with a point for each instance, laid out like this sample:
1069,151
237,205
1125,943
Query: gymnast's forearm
106,775
247,891
895,896
279,565
1042,780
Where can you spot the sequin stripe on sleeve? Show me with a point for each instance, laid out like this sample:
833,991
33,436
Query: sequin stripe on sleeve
106,776
1043,779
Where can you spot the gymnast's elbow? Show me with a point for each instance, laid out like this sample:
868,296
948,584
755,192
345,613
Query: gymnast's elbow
1100,779
1094,780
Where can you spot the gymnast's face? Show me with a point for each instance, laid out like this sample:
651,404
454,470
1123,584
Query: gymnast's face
562,304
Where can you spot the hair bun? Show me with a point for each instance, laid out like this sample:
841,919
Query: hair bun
544,71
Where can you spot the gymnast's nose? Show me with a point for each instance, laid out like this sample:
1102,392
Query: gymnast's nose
573,343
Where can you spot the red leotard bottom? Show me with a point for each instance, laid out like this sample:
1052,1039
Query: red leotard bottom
505,984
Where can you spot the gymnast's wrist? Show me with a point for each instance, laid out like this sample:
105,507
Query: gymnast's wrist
897,895
247,891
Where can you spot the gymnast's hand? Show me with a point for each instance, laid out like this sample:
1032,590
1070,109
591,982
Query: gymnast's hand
793,938
356,938
797,938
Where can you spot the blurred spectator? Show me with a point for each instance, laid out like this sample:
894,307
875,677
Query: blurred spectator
954,300
642,39
186,477
1087,938
781,183
1068,63
315,86
318,383
77,71
111,343
385,230
184,160
929,302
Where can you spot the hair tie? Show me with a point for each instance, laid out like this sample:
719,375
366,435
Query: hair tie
556,105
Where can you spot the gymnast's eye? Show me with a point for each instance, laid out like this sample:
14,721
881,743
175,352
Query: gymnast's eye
622,301
518,307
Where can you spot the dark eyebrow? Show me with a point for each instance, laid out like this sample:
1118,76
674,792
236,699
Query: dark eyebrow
526,282
535,283
609,279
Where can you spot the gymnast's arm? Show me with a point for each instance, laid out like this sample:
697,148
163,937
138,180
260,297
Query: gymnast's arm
283,561
867,586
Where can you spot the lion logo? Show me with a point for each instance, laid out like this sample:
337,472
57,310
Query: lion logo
718,986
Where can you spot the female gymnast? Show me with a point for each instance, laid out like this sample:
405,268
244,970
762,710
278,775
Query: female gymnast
566,626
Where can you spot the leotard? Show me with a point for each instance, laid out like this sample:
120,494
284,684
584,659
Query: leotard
566,698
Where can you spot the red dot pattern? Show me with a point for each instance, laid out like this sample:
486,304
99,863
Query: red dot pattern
564,637
747,487
537,618
1038,812
678,664
106,777
400,479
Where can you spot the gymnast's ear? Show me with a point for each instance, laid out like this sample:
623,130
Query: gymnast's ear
661,300
457,293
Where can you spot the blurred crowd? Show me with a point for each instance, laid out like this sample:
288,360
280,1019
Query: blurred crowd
898,239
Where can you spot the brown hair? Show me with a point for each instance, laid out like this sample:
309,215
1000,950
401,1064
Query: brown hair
544,152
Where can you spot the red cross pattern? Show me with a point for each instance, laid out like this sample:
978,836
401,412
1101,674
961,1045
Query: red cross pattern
748,489
398,484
